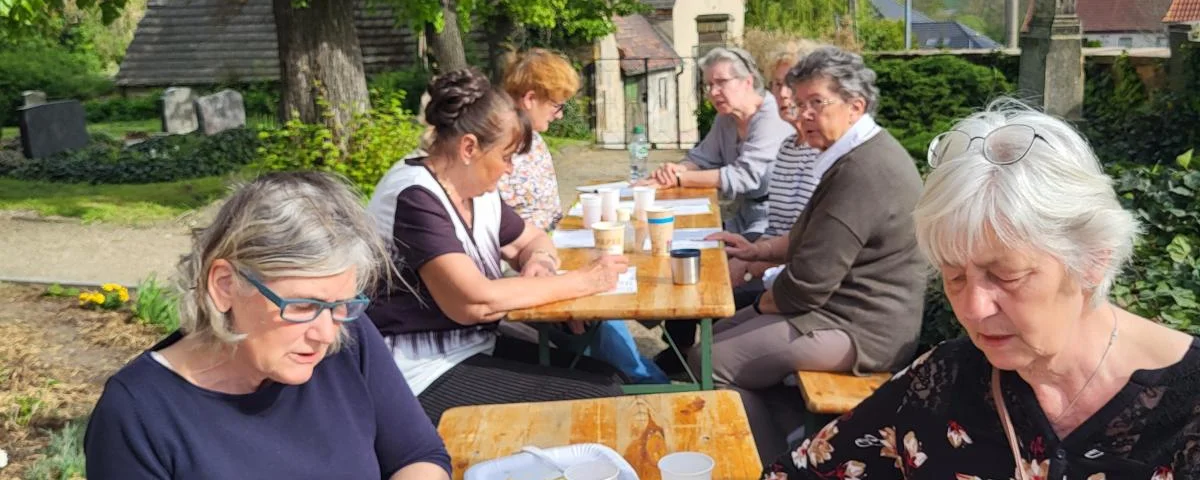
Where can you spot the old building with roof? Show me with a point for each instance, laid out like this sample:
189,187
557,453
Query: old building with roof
928,33
1123,23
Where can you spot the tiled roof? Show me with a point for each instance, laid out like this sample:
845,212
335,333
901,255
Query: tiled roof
949,35
890,10
1122,15
203,42
1183,11
642,48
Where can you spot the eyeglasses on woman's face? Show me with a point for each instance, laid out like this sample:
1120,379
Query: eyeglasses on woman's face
303,310
1003,146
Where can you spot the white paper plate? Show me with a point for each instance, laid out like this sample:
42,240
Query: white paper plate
524,466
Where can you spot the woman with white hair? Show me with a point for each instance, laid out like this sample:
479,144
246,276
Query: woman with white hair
274,371
1053,380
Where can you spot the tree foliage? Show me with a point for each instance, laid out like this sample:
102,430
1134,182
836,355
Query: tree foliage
24,17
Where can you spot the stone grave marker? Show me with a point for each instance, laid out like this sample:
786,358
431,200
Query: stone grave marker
33,98
52,127
220,111
179,110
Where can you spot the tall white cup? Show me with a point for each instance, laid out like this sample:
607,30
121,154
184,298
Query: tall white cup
643,197
686,466
592,209
610,198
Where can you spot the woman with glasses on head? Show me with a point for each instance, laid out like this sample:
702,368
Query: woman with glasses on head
1052,380
273,373
850,293
449,232
736,154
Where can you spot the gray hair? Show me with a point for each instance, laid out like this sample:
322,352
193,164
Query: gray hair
1057,200
850,76
740,62
294,224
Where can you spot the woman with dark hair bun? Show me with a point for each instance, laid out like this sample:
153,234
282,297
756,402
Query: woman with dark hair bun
449,231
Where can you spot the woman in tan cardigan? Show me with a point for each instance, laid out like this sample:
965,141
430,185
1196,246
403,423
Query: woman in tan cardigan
849,293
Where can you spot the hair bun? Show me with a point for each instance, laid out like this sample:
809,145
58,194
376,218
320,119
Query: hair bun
452,93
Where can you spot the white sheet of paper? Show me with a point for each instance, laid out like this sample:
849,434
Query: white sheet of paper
626,191
626,283
573,239
683,206
690,238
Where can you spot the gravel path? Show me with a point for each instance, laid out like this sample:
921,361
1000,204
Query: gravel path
69,251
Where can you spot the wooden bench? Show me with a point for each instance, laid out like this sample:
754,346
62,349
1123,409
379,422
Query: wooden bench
835,393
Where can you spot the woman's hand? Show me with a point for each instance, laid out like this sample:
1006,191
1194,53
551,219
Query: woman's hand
665,174
603,273
736,246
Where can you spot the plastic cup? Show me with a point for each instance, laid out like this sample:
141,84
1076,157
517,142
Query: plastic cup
610,198
595,470
661,222
591,204
686,466
609,237
643,198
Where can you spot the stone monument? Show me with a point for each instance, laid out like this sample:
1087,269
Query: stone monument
1052,59
52,128
220,111
179,110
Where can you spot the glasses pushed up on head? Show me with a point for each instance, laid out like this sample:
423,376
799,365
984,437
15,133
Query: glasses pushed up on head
303,310
1003,146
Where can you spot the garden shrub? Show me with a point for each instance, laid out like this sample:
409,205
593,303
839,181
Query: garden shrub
161,159
576,122
380,138
122,109
54,70
412,82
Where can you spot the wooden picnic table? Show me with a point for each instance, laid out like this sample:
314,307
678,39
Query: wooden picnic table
641,428
657,298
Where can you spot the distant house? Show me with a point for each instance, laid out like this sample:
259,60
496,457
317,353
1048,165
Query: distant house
928,33
1124,23
1183,12
207,42
646,73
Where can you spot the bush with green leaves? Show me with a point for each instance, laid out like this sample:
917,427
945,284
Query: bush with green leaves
161,159
54,70
407,85
576,122
380,138
122,109
156,304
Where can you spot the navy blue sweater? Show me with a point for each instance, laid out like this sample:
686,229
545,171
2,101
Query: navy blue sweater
356,418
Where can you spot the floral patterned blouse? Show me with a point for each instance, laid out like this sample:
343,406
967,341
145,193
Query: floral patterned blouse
937,420
532,188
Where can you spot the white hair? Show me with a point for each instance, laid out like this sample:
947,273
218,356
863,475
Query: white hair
1056,200
740,62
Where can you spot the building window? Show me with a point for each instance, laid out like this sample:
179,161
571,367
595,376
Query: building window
1125,42
1160,42
662,93
713,31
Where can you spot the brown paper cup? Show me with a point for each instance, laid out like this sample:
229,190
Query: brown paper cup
661,222
609,237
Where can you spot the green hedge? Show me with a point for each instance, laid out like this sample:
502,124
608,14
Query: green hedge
59,73
161,159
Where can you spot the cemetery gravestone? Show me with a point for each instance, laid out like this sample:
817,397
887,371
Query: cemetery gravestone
220,111
179,110
33,98
52,127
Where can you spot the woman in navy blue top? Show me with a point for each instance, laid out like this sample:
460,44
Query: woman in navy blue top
274,372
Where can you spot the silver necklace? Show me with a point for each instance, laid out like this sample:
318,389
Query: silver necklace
1112,337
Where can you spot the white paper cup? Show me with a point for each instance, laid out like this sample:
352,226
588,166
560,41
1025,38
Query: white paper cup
643,197
609,237
610,198
594,470
686,466
661,227
592,210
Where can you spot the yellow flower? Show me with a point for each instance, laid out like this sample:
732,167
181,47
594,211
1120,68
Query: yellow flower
108,287
123,295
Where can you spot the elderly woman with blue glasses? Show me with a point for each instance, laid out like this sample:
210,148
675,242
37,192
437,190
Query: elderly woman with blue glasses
1053,380
274,372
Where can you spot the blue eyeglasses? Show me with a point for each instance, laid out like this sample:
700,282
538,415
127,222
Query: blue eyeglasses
302,310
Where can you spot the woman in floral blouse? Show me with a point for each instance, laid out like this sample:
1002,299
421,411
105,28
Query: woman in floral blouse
540,82
1028,235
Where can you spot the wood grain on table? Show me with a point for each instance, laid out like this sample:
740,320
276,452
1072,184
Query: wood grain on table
657,298
641,428
835,393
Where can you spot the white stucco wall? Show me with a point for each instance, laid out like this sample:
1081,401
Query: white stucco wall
686,38
661,109
1139,39
610,95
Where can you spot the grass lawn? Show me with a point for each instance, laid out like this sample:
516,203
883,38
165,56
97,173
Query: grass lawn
112,129
556,144
125,204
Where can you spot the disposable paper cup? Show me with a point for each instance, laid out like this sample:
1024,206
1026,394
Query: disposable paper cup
661,222
686,466
610,198
610,238
595,470
592,208
643,198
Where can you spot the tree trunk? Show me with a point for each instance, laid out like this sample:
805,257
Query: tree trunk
503,37
447,45
319,59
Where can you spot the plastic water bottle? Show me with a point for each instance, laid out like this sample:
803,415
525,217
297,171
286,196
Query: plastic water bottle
639,149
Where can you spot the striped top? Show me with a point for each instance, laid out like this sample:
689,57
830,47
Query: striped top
792,184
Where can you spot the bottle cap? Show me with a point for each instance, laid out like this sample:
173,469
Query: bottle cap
639,129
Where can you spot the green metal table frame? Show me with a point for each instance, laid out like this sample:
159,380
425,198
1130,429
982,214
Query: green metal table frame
705,381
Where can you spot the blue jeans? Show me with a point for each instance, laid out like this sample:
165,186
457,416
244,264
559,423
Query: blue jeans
612,343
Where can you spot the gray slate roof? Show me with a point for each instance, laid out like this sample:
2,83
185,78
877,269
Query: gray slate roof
204,42
949,35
